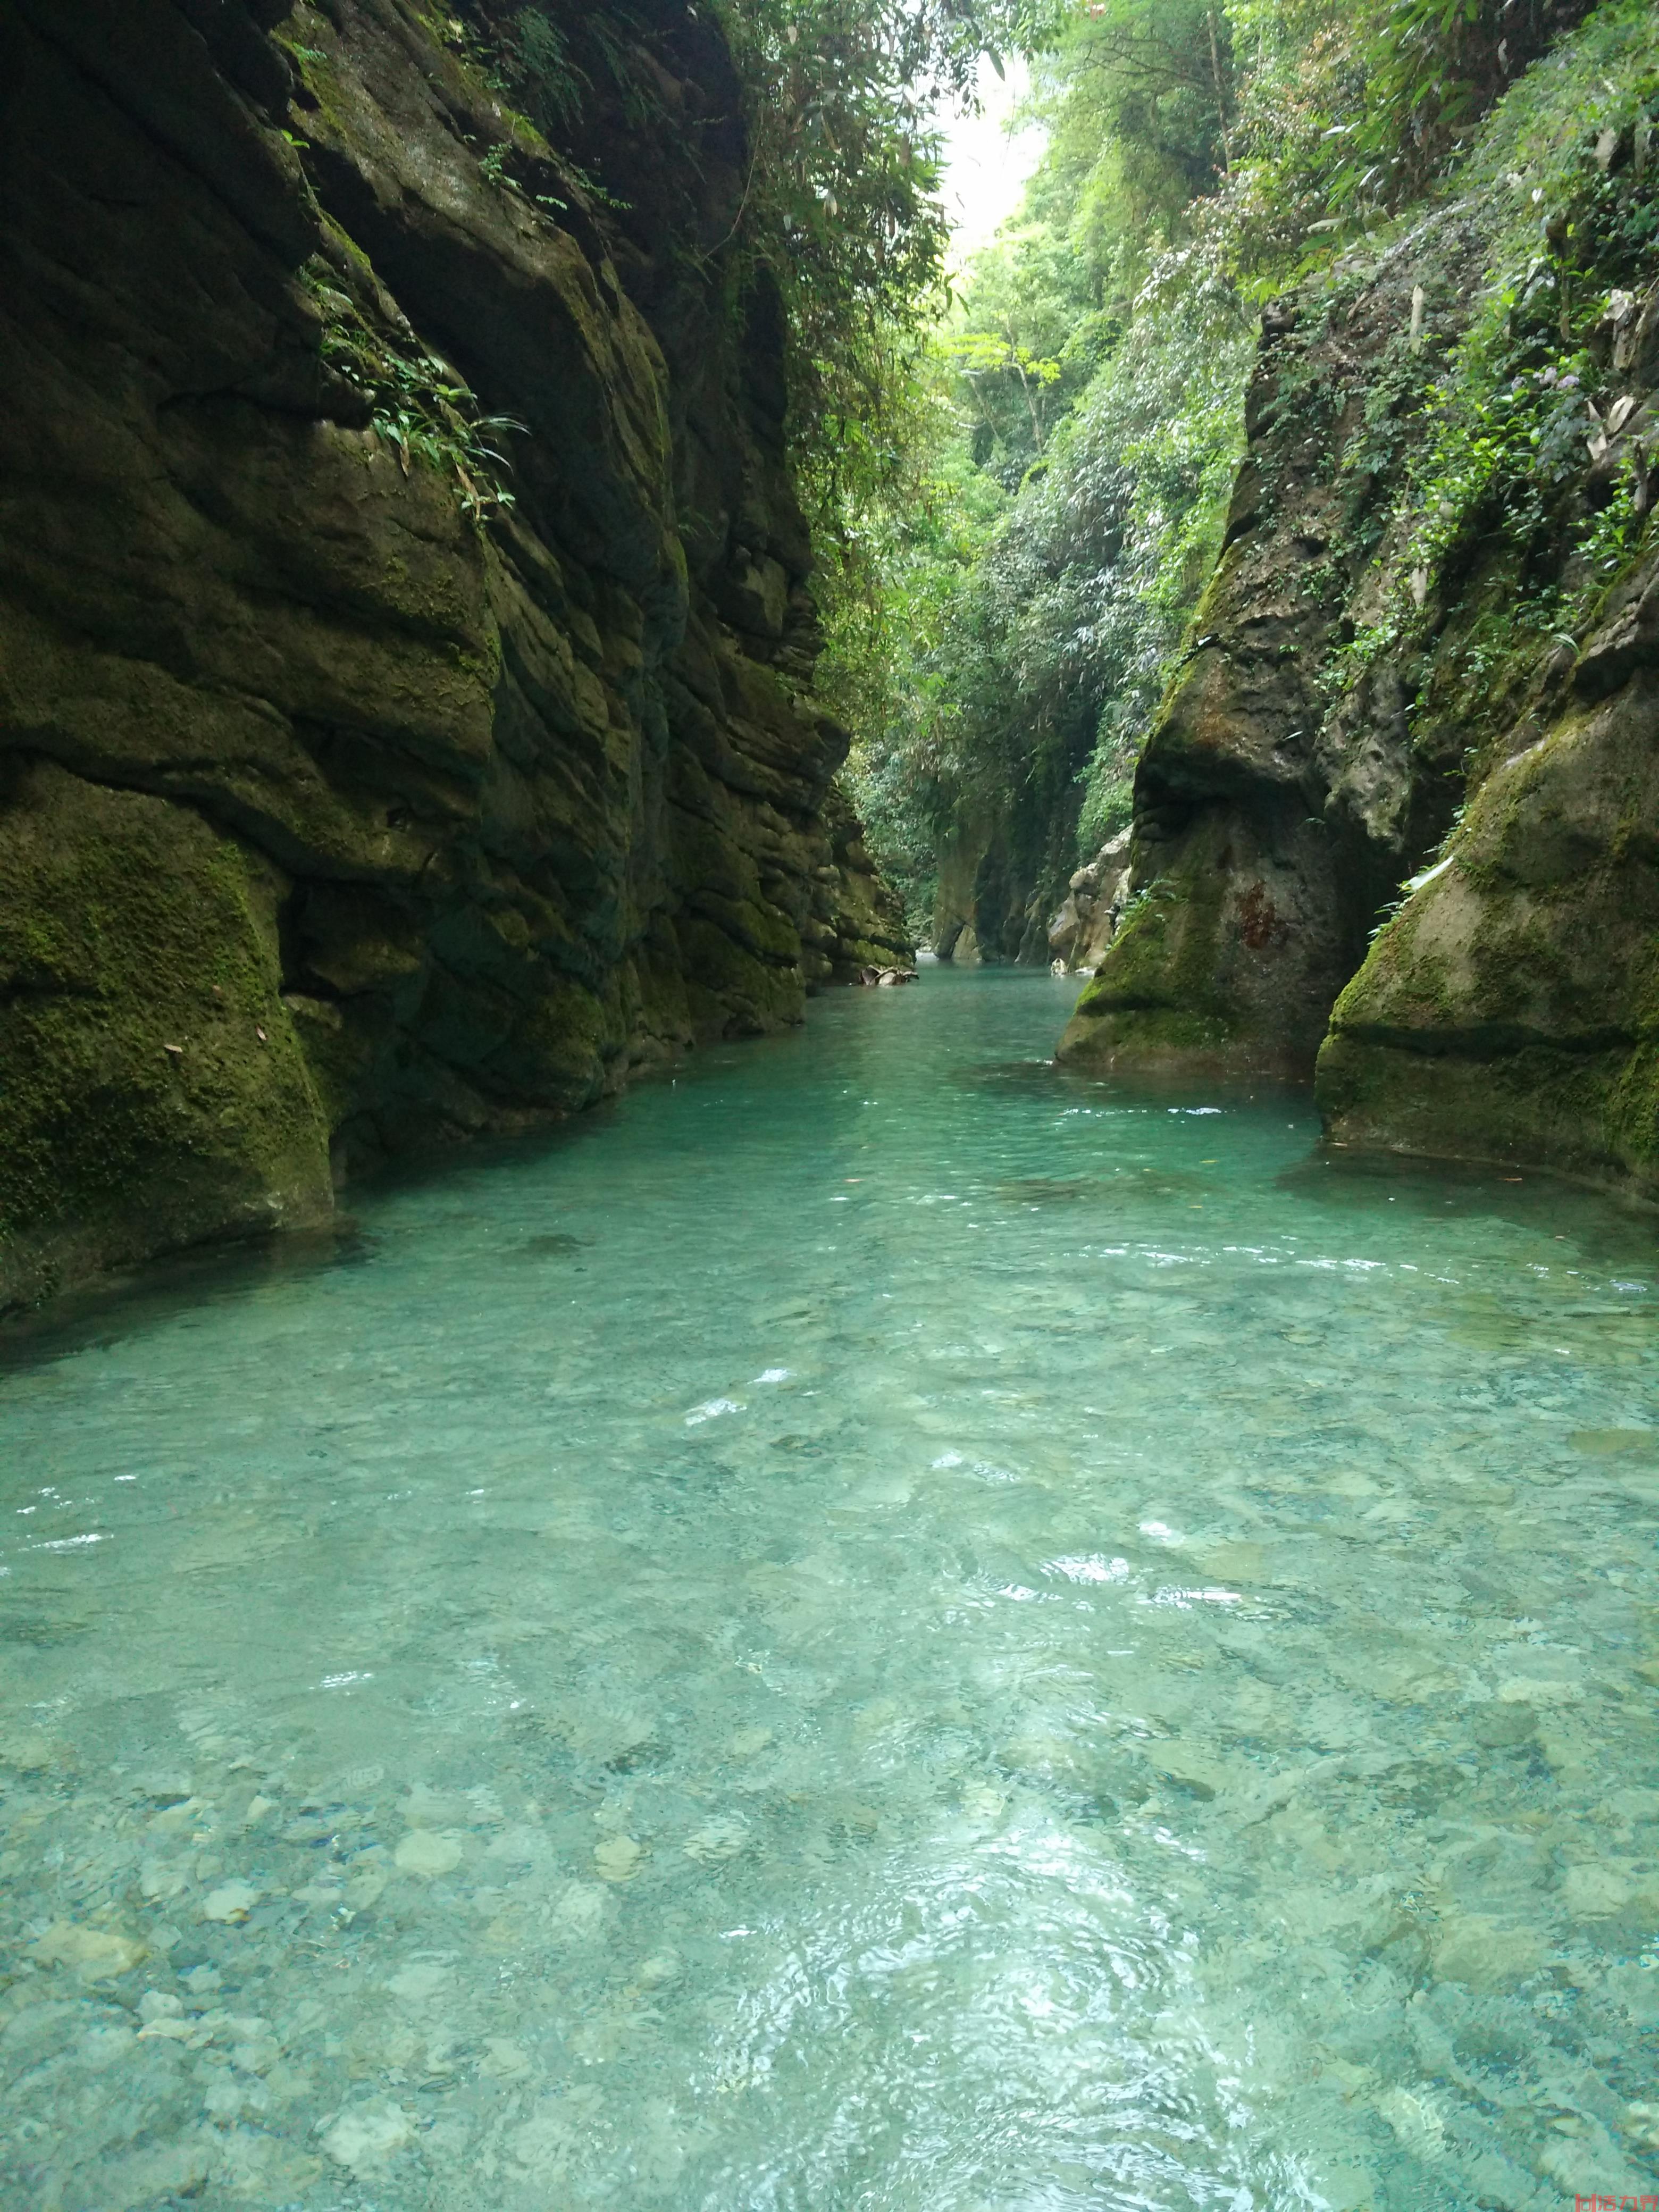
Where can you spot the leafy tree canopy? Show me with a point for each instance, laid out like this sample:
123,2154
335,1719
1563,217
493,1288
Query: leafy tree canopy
1016,484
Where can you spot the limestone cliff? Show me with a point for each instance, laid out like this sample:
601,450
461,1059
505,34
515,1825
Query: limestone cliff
1001,874
1266,830
405,644
1399,810
1081,930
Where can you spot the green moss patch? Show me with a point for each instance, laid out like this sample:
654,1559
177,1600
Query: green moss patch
152,1089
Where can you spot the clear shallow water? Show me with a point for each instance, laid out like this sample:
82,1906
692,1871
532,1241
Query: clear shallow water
890,1629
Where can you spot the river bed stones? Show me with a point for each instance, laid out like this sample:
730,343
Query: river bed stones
1057,1720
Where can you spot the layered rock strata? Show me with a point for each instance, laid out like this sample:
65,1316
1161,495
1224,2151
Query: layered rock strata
405,640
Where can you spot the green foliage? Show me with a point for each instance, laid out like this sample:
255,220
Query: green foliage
842,103
550,65
1430,69
1017,487
1347,113
1087,588
888,629
1087,412
1141,101
1136,97
1521,407
1096,356
1022,641
417,403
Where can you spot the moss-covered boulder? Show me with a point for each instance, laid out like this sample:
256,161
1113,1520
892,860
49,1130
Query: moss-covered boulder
153,1091
1511,1010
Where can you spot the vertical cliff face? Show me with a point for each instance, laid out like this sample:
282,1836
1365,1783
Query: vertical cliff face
1000,881
1267,828
1399,815
405,645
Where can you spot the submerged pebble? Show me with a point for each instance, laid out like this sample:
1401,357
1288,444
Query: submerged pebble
364,2140
1164,1717
422,1852
232,1901
618,1858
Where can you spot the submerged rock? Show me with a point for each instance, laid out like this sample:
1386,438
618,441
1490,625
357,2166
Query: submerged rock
231,1902
426,1853
365,2138
92,1954
616,1858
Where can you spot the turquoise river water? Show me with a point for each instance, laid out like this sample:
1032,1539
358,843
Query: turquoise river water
879,1629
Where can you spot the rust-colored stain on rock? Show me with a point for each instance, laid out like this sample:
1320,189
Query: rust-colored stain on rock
1258,919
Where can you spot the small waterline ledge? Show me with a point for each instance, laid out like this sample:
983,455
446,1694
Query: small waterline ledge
897,1628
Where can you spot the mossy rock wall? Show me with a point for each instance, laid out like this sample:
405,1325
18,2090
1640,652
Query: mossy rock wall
471,807
155,1089
1266,830
1398,817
